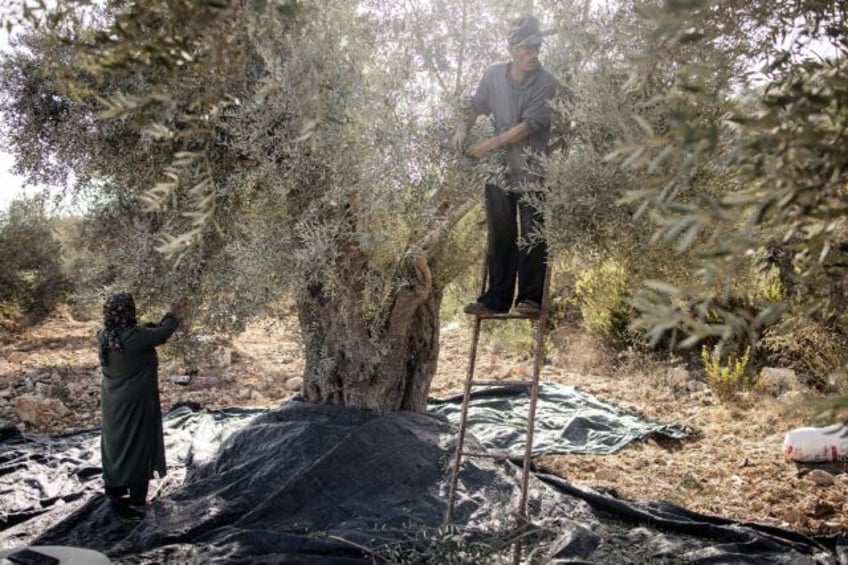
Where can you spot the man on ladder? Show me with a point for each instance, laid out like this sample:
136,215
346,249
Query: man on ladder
517,94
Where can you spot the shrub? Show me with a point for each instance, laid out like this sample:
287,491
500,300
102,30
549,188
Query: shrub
726,378
85,262
32,281
601,291
810,347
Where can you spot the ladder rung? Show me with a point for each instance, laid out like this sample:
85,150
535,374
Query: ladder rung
506,316
504,382
500,455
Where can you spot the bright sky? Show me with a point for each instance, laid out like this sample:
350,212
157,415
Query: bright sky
10,184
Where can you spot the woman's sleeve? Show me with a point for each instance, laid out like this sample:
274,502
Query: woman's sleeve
159,334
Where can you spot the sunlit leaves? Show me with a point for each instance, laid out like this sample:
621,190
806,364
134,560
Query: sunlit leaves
742,164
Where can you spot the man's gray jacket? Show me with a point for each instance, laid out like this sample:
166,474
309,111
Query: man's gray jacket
510,103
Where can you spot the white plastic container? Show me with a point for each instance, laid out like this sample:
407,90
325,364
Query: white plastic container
817,445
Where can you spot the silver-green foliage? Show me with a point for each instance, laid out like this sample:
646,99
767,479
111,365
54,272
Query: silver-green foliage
752,157
249,142
241,153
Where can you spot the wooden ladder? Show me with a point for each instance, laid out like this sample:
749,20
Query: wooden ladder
538,355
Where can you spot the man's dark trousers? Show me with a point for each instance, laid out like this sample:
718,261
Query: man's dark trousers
505,257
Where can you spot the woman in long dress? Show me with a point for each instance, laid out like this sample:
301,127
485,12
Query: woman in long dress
132,444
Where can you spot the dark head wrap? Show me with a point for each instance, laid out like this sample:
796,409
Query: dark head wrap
118,315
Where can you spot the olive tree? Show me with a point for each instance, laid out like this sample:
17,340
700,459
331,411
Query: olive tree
774,154
270,149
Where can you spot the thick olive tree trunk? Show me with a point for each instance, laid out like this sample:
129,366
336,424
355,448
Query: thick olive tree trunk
385,366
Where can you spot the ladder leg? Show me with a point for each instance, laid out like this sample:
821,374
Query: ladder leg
463,418
538,357
466,398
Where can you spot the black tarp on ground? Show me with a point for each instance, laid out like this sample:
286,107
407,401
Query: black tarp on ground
314,484
39,473
567,421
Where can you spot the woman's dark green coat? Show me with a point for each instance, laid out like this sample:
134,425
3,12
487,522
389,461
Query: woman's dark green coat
132,444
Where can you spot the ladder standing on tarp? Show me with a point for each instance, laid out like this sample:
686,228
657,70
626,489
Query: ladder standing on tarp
541,322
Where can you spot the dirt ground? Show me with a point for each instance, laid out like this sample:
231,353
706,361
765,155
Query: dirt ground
733,466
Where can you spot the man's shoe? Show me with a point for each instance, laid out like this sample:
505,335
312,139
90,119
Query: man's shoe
528,308
478,309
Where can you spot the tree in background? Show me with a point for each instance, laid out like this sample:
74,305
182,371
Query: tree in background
31,280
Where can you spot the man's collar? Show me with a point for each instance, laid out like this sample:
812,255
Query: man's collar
531,76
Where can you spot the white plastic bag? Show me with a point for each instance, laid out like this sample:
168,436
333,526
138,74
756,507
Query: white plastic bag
817,445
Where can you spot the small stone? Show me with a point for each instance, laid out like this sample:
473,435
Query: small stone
6,393
841,480
451,327
689,481
607,475
243,394
224,356
838,382
696,386
678,378
819,509
39,411
792,397
775,381
257,397
16,357
640,463
295,384
518,372
821,477
793,515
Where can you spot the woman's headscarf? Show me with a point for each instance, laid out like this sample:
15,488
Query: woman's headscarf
118,315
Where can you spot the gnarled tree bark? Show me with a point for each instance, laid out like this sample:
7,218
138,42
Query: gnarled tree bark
352,361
